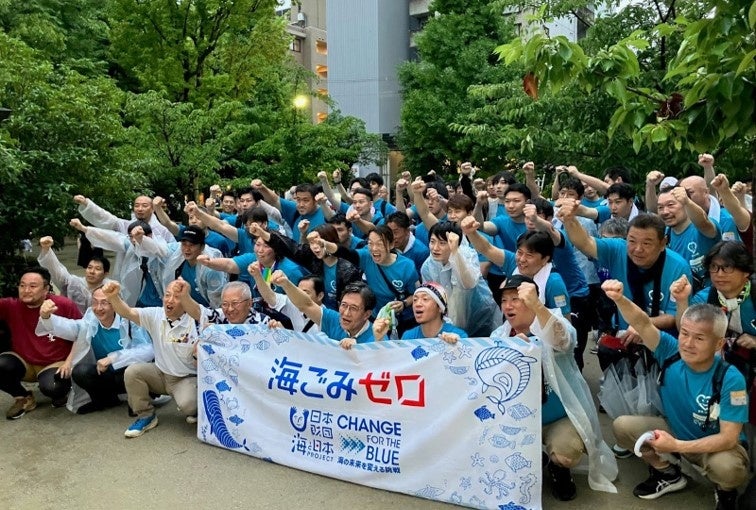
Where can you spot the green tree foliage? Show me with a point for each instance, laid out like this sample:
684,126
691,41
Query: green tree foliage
455,51
684,84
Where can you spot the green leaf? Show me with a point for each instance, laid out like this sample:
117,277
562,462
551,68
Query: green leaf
658,134
748,59
752,15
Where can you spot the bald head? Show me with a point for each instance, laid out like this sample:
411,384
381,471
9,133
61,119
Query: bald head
143,208
697,190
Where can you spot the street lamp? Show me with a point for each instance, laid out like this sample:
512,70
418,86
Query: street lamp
300,101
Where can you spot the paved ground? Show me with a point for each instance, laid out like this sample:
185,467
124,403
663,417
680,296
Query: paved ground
52,459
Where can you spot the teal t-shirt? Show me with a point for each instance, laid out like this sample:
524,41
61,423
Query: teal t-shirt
106,341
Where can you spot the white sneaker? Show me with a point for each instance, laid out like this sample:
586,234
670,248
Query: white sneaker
191,420
161,400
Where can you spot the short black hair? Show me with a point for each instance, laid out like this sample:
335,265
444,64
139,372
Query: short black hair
442,229
257,215
618,171
648,221
339,219
519,187
363,191
312,189
622,190
504,175
544,207
102,260
374,177
41,271
574,184
365,292
439,186
400,219
537,241
317,283
256,195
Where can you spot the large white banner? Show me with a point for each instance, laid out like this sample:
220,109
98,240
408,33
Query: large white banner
455,423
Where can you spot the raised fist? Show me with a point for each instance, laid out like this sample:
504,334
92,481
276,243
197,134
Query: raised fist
158,202
469,225
706,160
418,186
401,185
529,168
680,195
46,242
80,199
47,309
680,289
482,196
466,168
612,289
381,327
322,176
111,289
320,198
720,182
77,224
654,177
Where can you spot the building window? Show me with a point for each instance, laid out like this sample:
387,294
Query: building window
296,45
322,116
321,47
322,71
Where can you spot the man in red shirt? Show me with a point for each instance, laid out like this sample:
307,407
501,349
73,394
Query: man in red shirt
34,358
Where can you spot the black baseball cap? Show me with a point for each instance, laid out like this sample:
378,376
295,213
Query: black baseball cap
193,234
514,281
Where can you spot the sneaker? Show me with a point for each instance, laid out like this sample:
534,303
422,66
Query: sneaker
21,406
60,402
161,400
660,483
620,452
141,426
726,500
562,485
191,420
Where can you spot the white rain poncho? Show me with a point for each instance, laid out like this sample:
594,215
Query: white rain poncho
473,309
558,339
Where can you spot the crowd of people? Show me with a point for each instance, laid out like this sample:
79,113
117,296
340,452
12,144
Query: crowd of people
471,258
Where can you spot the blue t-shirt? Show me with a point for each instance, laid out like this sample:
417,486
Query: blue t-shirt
149,296
556,291
552,409
685,394
421,232
612,254
446,327
229,218
566,264
292,217
189,274
418,253
385,210
245,241
330,325
591,203
402,274
509,230
693,246
727,226
106,341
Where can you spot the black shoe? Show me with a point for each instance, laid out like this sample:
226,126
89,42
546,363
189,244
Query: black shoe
660,483
60,402
562,485
89,407
621,453
726,500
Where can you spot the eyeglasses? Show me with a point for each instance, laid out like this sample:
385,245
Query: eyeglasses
715,268
352,308
233,304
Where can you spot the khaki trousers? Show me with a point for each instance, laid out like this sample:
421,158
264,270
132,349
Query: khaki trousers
142,378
